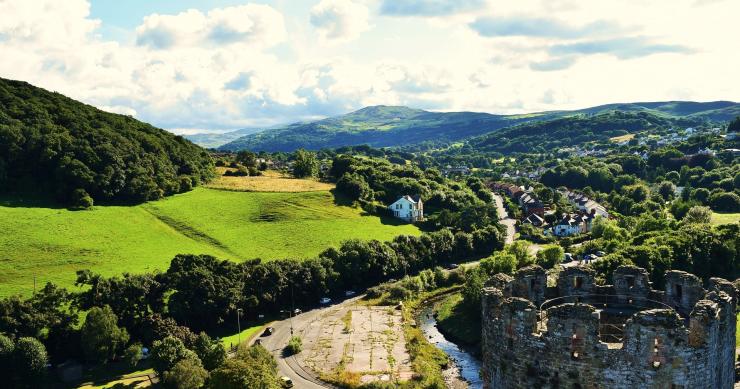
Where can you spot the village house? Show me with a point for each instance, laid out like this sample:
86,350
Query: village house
574,224
408,208
460,169
586,205
535,220
531,205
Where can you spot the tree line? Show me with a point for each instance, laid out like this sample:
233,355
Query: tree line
199,292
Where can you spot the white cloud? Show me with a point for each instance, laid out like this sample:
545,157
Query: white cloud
256,65
339,20
250,24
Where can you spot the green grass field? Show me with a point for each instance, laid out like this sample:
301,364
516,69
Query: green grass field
725,218
50,244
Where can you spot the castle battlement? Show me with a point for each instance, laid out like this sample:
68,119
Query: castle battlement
578,334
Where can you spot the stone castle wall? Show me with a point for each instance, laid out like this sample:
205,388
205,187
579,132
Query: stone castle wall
634,337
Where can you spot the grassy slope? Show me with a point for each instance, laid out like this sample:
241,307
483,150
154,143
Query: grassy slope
52,243
725,218
456,322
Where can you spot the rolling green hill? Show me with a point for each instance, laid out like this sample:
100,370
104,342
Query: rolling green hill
52,243
50,143
376,126
573,130
382,126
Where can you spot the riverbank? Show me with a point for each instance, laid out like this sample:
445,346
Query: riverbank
457,323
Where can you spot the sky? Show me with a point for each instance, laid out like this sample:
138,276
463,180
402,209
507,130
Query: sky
215,65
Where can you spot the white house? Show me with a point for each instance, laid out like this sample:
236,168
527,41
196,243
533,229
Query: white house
408,208
567,226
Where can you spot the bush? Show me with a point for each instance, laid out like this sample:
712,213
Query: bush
550,256
725,202
81,200
398,293
187,373
133,354
295,346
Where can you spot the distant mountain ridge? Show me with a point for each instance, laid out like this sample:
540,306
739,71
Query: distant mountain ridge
386,126
214,140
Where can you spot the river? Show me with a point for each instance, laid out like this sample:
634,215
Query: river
463,364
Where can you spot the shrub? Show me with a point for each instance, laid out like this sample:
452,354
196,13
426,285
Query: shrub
133,354
81,200
295,346
725,202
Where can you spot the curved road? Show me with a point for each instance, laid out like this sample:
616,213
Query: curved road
289,366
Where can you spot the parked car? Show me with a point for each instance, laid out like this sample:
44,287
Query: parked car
297,311
325,301
588,257
287,382
600,253
349,293
268,331
567,257
453,266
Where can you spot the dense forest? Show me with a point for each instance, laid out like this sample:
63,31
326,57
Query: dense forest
50,143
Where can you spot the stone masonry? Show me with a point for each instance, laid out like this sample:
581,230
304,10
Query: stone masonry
627,335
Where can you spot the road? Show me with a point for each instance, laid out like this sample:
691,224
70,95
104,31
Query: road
288,366
503,218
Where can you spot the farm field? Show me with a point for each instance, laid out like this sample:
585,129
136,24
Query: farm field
50,244
270,181
622,138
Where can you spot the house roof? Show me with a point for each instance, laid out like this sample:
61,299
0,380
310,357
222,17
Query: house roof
534,218
414,199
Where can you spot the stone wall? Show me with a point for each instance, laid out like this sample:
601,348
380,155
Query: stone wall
688,341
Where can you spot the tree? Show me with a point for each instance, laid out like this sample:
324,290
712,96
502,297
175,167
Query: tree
210,351
30,359
666,190
101,336
734,125
7,349
247,158
725,202
252,367
187,373
698,214
167,352
81,200
499,262
305,164
353,186
472,290
701,195
520,250
550,256
133,354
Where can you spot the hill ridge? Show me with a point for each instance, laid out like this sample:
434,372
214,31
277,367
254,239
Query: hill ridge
388,125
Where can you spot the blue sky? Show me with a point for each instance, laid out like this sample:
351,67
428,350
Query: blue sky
215,65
